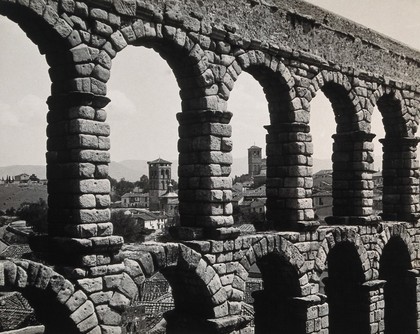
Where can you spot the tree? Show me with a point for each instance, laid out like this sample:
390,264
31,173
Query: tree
34,178
143,183
127,227
35,215
174,185
10,211
122,187
241,179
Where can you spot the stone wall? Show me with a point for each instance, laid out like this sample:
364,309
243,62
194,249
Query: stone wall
295,52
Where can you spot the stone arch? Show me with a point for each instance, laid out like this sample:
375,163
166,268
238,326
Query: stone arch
352,149
274,77
194,67
60,306
41,22
274,244
335,237
395,266
342,267
391,105
196,286
347,297
399,165
396,230
287,139
282,269
204,132
346,104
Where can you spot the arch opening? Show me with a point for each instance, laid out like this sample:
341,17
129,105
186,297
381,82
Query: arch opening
144,150
55,316
322,127
347,299
399,166
279,125
275,308
249,168
25,88
390,108
342,106
399,289
377,127
352,157
173,300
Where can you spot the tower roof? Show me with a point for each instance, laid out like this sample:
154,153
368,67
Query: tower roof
159,161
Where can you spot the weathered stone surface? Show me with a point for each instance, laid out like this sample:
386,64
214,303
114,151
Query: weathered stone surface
89,285
83,312
76,300
294,51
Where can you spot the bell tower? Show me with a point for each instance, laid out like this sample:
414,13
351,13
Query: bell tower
159,180
254,160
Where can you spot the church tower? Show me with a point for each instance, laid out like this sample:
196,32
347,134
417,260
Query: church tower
254,160
159,180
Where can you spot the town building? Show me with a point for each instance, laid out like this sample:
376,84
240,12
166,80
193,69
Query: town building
169,202
22,178
150,220
254,160
135,200
257,166
323,179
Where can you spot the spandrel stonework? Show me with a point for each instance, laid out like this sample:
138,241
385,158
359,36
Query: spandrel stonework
359,274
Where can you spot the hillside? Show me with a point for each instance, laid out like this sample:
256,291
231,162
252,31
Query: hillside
38,170
132,170
12,195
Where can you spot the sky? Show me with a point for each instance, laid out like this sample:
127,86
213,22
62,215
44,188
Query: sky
145,99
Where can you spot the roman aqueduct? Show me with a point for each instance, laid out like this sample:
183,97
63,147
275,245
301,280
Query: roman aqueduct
86,277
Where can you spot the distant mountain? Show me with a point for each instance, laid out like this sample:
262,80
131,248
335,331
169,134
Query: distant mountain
119,170
320,164
14,170
132,170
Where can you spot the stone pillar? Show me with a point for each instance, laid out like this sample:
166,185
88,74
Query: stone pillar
352,178
80,231
375,291
416,278
313,310
289,177
205,185
400,179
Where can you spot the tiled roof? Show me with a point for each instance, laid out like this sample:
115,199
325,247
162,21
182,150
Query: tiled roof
325,193
169,195
16,251
246,228
15,312
259,192
159,161
147,215
131,195
323,172
258,201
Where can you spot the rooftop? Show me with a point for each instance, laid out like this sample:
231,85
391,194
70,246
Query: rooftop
159,161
